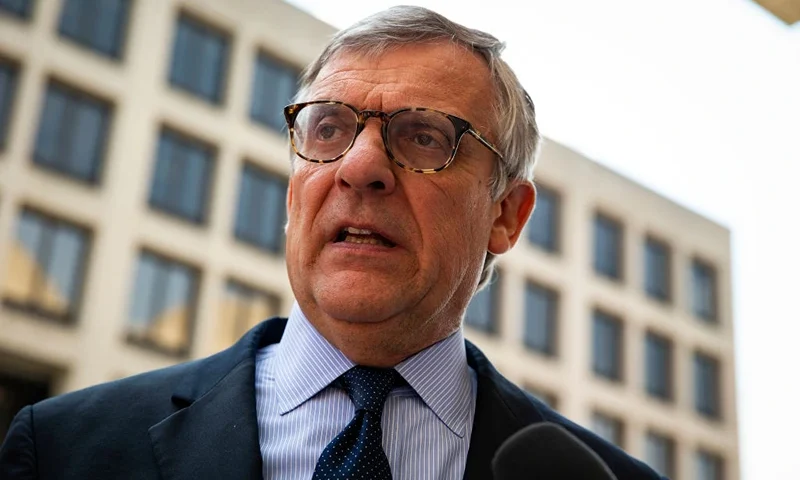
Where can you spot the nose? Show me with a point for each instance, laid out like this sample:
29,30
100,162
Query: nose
366,168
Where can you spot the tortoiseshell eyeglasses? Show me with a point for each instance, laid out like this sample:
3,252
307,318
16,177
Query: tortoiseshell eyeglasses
419,140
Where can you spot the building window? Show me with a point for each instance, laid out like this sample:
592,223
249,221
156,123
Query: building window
548,398
97,24
607,247
184,168
72,133
163,304
482,310
18,8
15,393
657,270
704,291
199,59
243,307
543,227
608,428
47,266
8,87
261,212
710,466
660,453
706,385
658,366
607,346
541,313
274,85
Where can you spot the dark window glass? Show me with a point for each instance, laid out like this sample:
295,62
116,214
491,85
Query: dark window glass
163,304
546,397
607,346
182,178
541,313
657,270
15,393
47,264
482,309
199,59
19,8
72,133
244,307
608,428
704,291
607,247
544,224
658,368
97,24
660,453
274,85
709,466
8,87
706,385
261,213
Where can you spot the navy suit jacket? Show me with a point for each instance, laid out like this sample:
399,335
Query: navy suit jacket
197,420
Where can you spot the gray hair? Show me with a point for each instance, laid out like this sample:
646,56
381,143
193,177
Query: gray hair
514,122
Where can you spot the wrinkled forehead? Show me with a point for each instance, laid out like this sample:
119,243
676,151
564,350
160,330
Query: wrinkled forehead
440,75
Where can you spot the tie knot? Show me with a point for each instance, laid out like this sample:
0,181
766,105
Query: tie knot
368,387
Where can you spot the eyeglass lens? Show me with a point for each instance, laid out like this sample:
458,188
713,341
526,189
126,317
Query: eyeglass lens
417,139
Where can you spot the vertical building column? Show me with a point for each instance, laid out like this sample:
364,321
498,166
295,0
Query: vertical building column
124,187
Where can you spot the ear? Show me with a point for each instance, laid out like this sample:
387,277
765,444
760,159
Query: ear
513,210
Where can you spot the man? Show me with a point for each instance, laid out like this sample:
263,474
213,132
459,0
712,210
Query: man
414,147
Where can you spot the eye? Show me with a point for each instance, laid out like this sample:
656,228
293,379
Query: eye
426,140
326,132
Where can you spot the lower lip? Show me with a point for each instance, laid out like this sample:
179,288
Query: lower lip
367,248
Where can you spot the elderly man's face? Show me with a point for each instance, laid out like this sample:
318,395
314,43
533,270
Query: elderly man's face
404,284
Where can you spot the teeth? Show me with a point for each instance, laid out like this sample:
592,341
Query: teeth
358,231
357,239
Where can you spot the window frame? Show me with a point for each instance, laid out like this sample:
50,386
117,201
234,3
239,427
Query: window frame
603,316
711,364
75,96
50,224
199,25
25,15
13,69
553,245
552,297
262,175
651,292
493,290
604,219
257,117
184,141
193,299
669,367
121,30
669,442
700,265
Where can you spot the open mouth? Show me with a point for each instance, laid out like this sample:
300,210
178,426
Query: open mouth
362,236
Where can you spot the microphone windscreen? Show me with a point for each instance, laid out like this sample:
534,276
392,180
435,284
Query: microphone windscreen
545,451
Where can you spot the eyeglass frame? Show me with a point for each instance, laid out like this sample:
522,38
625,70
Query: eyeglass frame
460,125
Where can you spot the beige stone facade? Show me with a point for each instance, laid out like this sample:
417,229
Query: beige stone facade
67,341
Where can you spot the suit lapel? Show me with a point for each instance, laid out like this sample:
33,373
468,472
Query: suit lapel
501,409
214,432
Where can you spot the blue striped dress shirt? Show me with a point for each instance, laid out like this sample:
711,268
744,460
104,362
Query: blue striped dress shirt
426,425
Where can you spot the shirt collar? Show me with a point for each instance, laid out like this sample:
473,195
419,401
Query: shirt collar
306,363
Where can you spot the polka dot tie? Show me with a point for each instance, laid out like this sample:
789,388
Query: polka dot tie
357,453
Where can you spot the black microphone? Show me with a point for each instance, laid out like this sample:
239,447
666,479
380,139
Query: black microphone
545,451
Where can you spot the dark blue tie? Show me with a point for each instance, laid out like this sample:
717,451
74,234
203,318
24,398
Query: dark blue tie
357,453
